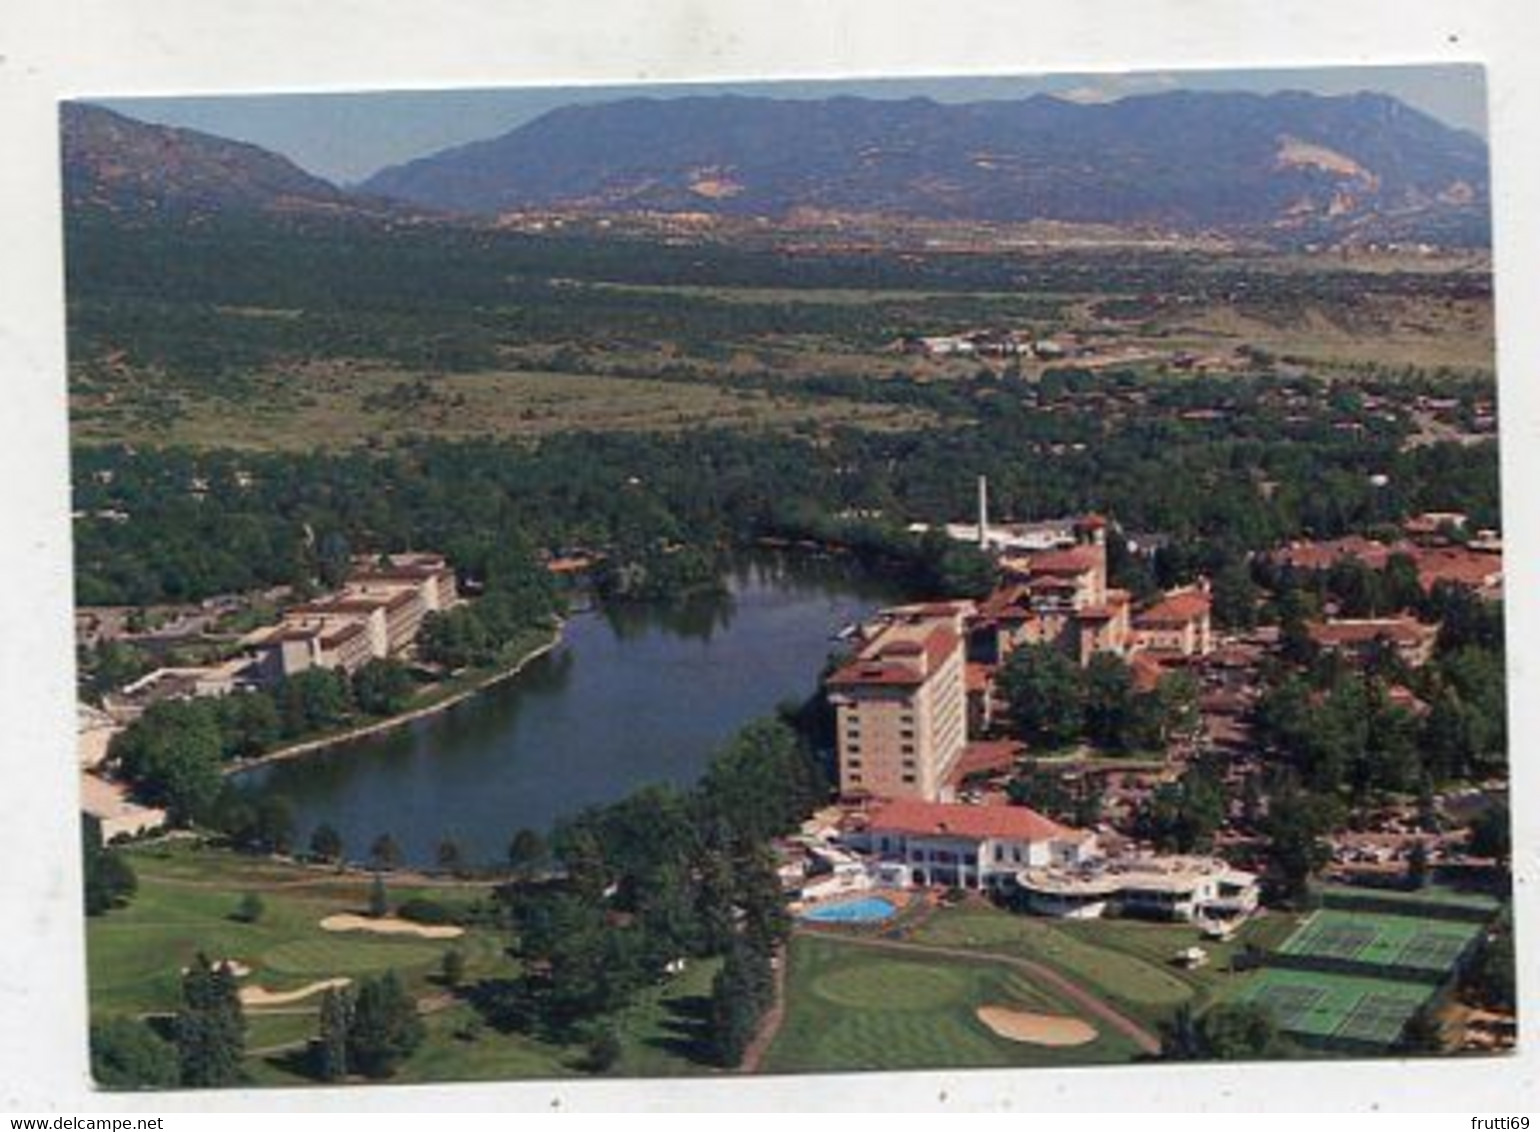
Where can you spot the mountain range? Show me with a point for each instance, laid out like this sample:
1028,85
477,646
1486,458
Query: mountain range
117,163
1288,164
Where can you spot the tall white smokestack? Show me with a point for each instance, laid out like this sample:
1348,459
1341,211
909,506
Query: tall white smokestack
983,513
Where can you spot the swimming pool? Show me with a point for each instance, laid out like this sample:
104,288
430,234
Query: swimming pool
866,910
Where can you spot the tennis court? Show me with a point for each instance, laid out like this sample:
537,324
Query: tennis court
1385,941
1322,1006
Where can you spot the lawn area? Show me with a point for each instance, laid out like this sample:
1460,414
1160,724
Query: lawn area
185,902
187,893
1127,962
851,1007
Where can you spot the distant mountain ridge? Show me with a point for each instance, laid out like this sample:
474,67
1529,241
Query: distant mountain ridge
115,162
1185,160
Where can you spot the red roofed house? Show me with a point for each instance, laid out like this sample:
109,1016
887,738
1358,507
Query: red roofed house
1413,641
1059,597
967,846
1179,624
901,705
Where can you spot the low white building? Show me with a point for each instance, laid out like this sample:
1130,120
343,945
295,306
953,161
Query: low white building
1180,888
910,842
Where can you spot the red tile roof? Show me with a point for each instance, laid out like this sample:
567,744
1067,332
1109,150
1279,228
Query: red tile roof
899,663
941,819
1077,560
1399,630
1322,555
1175,609
984,756
1458,565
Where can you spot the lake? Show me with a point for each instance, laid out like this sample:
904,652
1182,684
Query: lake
633,696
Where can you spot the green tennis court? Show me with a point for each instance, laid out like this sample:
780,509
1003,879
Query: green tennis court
1322,1006
1385,941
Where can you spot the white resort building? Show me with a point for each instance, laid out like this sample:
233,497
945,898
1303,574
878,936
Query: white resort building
1182,888
909,842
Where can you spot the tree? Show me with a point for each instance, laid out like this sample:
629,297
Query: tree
331,1047
1184,815
1235,597
452,967
1423,1033
1108,701
1491,834
383,687
450,858
210,1028
385,853
1417,865
525,851
740,993
274,825
249,910
1295,825
173,755
109,879
326,843
1492,975
128,1054
1236,1031
385,1027
603,1049
1042,689
379,901
1180,1038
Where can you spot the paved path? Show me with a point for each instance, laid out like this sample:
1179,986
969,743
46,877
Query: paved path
1075,993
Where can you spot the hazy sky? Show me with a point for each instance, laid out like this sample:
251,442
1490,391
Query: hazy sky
346,137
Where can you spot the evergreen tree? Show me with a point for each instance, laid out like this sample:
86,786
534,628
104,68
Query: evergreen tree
109,880
525,851
249,910
450,857
326,843
210,1028
385,1027
379,900
740,994
127,1054
331,1047
385,853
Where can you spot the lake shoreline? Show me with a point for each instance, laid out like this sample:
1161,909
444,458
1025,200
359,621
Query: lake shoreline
379,727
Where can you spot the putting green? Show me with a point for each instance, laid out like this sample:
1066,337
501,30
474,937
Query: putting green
892,984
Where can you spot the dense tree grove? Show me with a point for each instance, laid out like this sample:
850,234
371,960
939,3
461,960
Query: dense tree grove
1226,1031
663,503
656,878
1055,703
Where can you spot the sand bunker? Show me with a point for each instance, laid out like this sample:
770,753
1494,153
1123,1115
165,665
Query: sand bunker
1039,1029
389,925
258,996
